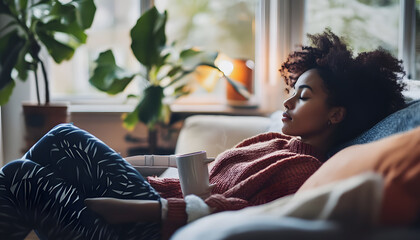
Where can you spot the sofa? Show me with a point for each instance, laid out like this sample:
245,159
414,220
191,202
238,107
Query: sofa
343,209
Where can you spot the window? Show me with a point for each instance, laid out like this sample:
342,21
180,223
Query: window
365,24
110,30
261,30
228,29
213,25
416,72
369,24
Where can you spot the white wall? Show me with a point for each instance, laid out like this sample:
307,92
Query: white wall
12,122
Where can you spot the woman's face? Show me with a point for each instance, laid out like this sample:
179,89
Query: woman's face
307,113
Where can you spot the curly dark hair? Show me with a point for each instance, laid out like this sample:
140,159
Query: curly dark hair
369,86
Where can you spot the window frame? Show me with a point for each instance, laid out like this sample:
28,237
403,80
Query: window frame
280,29
407,43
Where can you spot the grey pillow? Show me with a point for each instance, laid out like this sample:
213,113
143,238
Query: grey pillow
400,121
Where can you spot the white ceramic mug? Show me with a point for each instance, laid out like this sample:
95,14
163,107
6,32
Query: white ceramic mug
193,173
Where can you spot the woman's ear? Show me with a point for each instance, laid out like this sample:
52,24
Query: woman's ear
337,115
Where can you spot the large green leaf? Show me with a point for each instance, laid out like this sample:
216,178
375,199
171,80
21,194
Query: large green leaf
6,92
192,58
59,51
9,25
23,4
85,12
107,76
238,87
150,106
52,10
148,38
22,65
10,46
59,31
80,12
149,110
74,32
61,27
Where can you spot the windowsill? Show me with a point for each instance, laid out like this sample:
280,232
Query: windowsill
180,109
182,106
101,108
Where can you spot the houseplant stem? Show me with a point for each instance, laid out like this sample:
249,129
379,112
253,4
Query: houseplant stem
47,88
37,87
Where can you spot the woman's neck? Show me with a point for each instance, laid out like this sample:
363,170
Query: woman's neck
321,142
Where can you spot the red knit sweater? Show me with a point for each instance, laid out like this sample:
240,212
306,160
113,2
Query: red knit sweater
256,171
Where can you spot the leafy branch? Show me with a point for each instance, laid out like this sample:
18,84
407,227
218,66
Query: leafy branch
164,68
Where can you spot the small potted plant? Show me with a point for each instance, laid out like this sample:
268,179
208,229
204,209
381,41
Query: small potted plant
163,68
27,27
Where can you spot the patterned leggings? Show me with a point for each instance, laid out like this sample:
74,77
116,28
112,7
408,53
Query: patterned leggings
45,190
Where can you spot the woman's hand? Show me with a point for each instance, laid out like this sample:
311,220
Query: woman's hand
116,211
206,194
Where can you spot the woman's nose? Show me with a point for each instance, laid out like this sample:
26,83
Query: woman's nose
288,103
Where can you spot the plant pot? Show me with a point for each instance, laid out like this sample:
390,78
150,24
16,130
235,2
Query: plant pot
39,119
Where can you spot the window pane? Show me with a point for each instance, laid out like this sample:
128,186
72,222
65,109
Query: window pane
110,30
220,25
366,24
224,26
213,25
417,64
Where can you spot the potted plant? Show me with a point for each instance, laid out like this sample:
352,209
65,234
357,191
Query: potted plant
163,68
29,26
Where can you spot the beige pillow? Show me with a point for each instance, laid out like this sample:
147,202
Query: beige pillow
396,158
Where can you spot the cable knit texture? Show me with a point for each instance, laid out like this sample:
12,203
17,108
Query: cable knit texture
256,171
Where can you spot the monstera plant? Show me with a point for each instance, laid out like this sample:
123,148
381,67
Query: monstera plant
163,68
27,27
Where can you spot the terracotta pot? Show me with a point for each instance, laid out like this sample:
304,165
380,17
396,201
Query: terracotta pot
39,119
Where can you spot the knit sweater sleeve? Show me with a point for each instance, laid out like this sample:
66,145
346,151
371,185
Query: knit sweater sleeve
166,187
177,215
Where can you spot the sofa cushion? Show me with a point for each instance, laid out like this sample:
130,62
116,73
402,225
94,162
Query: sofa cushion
330,209
397,158
400,121
214,134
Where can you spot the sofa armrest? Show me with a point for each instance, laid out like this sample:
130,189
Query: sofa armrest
216,133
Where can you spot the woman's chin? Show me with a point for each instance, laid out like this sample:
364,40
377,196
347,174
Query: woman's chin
285,130
288,131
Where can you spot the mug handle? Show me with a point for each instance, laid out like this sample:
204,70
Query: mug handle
209,160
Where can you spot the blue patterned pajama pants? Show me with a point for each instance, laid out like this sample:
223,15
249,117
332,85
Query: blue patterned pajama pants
45,190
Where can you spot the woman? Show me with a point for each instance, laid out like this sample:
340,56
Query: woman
70,185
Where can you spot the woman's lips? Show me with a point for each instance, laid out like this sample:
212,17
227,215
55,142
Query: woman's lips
286,117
